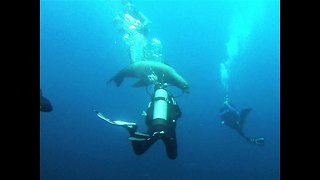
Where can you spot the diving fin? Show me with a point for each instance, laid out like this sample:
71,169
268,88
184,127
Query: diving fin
102,116
138,136
119,123
259,141
124,123
141,134
256,140
136,139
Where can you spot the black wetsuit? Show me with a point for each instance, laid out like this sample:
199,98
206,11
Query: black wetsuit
165,132
231,118
235,120
45,104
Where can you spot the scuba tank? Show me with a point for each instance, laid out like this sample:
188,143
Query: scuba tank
160,107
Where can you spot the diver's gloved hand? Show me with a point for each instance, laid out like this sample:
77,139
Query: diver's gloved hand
144,113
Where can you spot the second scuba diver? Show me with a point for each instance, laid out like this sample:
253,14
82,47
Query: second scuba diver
235,120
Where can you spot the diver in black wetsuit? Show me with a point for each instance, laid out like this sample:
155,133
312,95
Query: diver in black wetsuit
45,104
161,116
235,120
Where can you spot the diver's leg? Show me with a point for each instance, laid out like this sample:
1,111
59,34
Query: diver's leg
141,142
244,136
170,142
140,147
253,140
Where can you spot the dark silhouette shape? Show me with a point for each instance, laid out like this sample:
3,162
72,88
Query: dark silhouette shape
236,119
45,104
160,116
158,127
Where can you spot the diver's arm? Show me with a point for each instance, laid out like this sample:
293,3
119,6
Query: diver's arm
176,109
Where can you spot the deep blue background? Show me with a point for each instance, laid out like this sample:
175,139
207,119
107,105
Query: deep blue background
80,50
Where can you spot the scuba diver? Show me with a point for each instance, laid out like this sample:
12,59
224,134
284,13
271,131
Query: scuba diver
134,26
235,120
131,21
135,18
160,118
45,104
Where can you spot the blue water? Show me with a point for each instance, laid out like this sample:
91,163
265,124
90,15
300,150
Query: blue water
80,49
